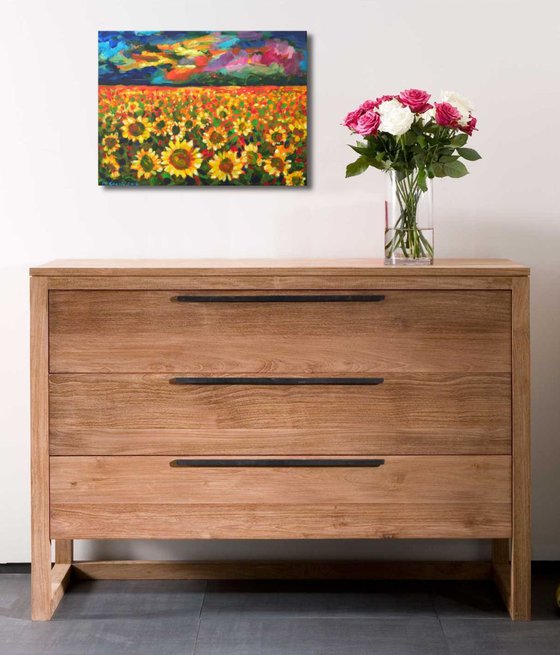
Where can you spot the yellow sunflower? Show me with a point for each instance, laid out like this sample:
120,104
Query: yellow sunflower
176,130
276,135
215,138
111,143
146,164
251,155
159,126
277,164
297,178
191,123
181,159
225,166
112,166
222,112
136,129
298,131
242,126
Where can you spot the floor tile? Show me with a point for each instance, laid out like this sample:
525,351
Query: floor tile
161,636
15,594
149,599
470,599
235,636
501,637
317,599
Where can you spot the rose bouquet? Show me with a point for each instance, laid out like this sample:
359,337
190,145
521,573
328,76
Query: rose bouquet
414,141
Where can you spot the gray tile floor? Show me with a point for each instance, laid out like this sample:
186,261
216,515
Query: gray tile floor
280,618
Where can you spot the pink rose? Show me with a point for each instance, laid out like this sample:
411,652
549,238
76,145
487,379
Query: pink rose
416,99
381,99
368,123
447,115
470,127
367,105
352,118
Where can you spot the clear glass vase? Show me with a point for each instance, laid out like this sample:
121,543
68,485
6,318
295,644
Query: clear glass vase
409,228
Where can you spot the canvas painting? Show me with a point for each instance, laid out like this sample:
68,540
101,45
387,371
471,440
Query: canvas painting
202,108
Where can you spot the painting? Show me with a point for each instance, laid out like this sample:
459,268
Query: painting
202,108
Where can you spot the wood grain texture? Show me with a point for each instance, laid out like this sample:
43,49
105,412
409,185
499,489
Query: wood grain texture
520,603
451,341
93,414
298,267
415,331
379,521
282,570
41,599
402,479
407,496
60,580
63,551
283,282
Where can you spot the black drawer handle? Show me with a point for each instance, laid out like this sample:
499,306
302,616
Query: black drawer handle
282,298
279,381
276,463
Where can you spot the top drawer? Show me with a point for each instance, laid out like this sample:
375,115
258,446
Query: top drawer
217,332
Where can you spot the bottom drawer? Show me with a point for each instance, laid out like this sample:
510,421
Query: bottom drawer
375,497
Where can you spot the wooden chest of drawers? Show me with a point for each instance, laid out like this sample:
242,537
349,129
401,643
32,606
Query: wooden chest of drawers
268,400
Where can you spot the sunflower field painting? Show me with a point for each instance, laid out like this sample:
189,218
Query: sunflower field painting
202,108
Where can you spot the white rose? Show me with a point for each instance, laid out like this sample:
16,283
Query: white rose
464,105
395,119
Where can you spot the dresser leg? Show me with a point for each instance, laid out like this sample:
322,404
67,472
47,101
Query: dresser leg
64,551
41,585
41,582
520,608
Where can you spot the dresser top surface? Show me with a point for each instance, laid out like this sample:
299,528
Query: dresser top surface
174,267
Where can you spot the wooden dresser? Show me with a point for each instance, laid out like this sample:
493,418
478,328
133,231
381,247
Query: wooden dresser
280,400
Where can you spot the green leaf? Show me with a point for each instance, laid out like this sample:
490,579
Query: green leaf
377,163
446,159
438,170
459,140
361,150
455,169
422,179
469,154
357,167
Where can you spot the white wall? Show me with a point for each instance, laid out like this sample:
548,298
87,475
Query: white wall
503,54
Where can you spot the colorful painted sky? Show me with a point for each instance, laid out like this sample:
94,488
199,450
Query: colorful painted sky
203,58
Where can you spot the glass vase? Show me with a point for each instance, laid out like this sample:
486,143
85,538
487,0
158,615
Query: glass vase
409,229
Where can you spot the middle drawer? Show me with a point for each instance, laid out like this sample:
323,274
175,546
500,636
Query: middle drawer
422,413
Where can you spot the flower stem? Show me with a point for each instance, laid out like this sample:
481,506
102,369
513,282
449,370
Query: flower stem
406,237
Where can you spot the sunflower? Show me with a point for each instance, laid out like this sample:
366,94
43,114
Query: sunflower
297,178
226,166
176,130
112,166
146,164
215,138
136,129
283,151
277,164
111,143
222,112
298,131
242,126
182,159
159,126
251,155
276,135
191,123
